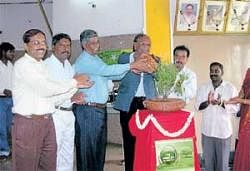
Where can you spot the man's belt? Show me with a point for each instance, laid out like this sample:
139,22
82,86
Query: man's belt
141,98
64,108
34,116
3,96
97,105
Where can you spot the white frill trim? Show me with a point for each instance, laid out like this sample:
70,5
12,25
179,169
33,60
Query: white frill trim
159,127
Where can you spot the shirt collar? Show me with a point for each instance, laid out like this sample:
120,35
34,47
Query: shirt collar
8,63
221,85
86,53
56,60
184,68
30,58
131,57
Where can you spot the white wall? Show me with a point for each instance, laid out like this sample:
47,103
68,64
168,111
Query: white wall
1,21
172,13
109,17
15,19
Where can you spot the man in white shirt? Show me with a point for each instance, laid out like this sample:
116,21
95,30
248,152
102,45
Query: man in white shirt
34,97
181,56
216,119
7,55
64,119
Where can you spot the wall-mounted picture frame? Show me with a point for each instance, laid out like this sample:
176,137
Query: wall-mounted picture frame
187,14
213,16
238,17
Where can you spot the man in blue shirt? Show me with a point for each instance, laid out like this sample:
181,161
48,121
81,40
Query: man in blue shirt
133,90
91,118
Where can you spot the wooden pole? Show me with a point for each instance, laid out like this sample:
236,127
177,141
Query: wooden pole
45,16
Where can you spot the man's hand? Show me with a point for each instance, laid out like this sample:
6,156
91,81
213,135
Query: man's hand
136,71
7,92
140,65
83,81
217,100
78,98
210,97
144,63
234,100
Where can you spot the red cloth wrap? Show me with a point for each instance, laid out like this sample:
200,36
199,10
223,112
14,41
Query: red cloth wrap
145,155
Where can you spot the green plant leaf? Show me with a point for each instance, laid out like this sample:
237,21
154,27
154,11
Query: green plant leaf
111,56
165,78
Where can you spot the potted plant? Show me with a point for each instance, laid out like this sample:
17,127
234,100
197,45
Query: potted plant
167,80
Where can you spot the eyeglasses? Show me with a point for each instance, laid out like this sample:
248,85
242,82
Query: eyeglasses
36,42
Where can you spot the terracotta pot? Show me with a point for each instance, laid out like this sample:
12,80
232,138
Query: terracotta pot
166,105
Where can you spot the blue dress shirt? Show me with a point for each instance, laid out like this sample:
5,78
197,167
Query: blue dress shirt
99,73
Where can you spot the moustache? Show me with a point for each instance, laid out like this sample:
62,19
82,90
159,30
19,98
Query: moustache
178,62
41,49
67,52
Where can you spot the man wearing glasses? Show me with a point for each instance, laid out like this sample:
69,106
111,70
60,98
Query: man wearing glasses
34,97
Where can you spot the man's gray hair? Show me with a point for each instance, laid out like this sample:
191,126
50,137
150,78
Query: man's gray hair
86,35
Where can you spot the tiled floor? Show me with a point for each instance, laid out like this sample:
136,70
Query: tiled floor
114,156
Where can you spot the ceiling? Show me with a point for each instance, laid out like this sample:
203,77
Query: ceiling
23,1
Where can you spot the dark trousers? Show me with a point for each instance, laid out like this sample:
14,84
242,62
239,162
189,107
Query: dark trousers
128,139
90,137
34,144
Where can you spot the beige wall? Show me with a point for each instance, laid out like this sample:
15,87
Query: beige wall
232,51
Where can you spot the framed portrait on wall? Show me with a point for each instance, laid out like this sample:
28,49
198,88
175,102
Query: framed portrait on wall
186,17
213,19
238,17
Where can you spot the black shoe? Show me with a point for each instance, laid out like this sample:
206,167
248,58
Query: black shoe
122,162
3,158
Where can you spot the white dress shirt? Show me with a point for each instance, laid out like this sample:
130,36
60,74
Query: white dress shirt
34,91
5,76
61,72
140,90
189,85
216,120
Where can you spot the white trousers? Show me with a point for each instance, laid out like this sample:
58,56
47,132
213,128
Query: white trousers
64,122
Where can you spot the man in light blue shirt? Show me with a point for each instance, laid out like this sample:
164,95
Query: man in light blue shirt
91,118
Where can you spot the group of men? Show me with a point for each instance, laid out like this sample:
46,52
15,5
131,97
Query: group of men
45,128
